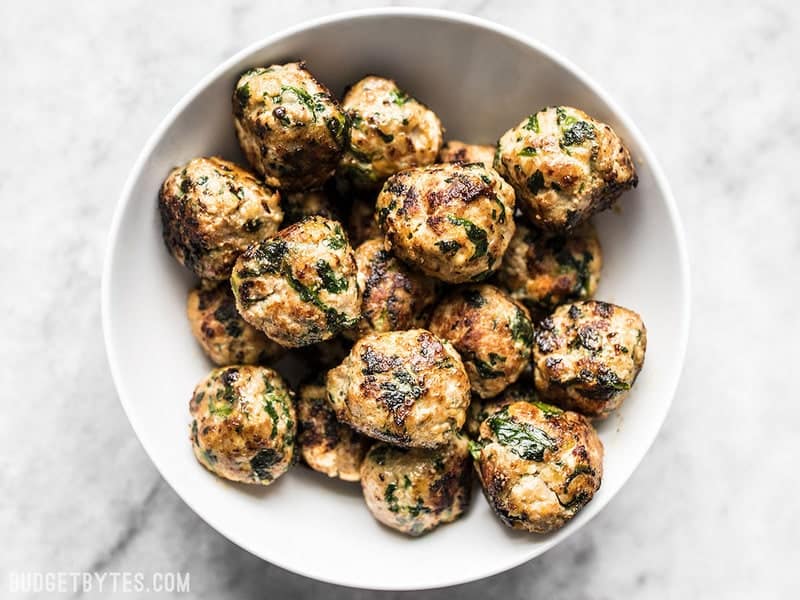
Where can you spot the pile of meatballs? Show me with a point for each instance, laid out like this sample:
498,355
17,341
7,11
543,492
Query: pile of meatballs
440,295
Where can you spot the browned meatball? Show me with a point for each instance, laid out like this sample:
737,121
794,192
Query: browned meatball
211,210
414,490
300,286
243,424
390,131
564,166
404,387
587,356
290,127
492,333
452,222
325,444
393,296
455,151
538,465
544,270
225,337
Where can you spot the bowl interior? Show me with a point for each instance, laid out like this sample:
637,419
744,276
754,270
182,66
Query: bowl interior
481,80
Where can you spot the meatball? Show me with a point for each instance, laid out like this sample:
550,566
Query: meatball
325,444
564,166
225,337
587,355
404,387
390,131
211,210
299,286
243,424
538,465
414,490
492,333
361,222
454,151
544,270
453,222
299,205
393,296
290,127
479,409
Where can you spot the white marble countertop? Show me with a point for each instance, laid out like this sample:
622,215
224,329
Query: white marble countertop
713,509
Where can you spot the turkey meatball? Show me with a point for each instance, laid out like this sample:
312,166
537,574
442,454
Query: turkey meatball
393,296
587,355
455,151
390,131
564,166
544,270
299,286
492,334
404,387
538,465
290,127
453,222
225,337
361,222
243,424
299,205
211,210
325,444
414,490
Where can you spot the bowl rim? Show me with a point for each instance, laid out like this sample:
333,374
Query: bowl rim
682,329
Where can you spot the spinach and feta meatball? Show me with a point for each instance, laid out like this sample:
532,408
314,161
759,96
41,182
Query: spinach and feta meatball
299,205
481,408
211,210
225,337
455,151
290,127
299,286
538,465
390,131
587,355
492,333
394,297
414,490
243,424
325,444
361,222
544,270
403,387
564,166
452,221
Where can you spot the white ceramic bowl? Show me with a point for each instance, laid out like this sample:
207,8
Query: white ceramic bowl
480,79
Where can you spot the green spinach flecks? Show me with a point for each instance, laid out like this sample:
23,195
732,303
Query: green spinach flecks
533,123
577,133
536,182
448,247
399,97
475,234
523,439
333,284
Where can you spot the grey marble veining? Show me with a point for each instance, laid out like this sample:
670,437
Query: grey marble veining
711,512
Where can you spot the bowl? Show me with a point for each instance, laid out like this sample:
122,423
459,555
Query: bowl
481,79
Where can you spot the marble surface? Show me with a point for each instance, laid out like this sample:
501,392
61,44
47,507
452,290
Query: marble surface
711,512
